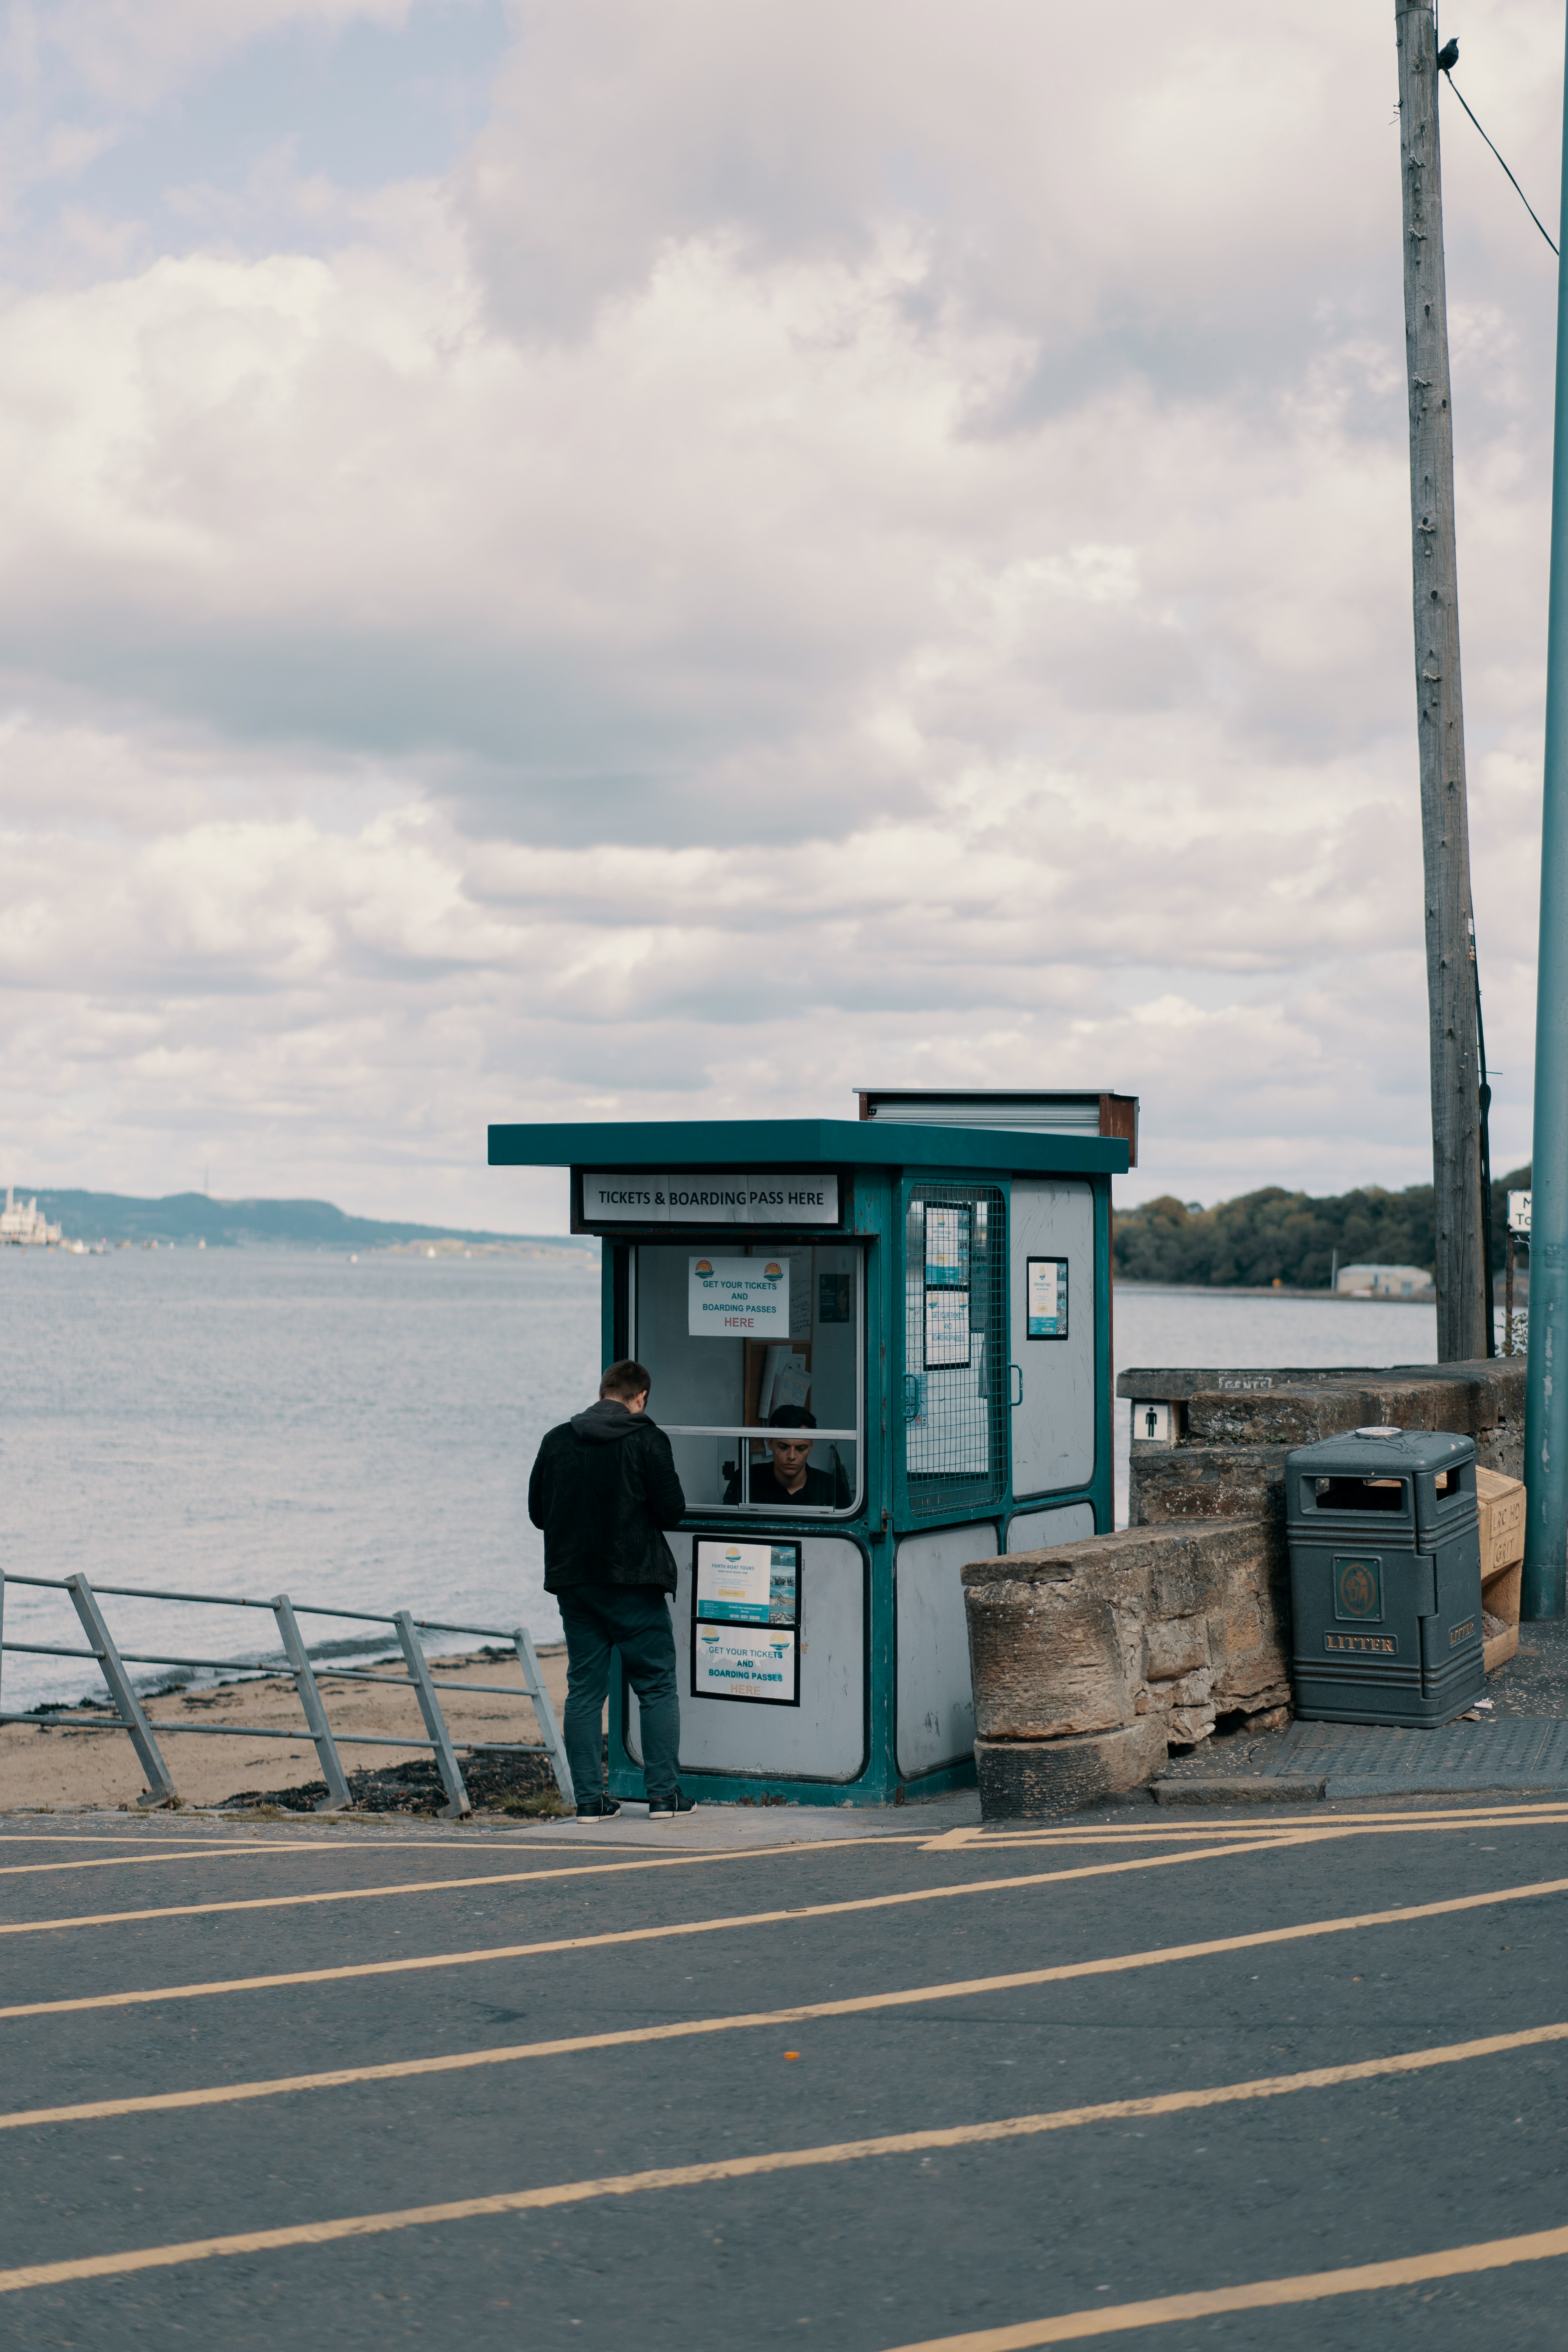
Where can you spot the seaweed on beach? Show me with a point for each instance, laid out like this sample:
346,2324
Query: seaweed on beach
497,1783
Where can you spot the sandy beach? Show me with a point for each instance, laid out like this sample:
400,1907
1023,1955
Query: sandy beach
69,1769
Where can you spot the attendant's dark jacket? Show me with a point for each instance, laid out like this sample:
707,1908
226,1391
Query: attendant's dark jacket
604,1487
822,1490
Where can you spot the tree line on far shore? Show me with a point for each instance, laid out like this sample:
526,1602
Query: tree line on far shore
1290,1237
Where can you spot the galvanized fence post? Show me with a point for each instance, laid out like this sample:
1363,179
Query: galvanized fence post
338,1791
159,1788
435,1721
534,1680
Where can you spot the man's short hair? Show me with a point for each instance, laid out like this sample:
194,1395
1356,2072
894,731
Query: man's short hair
624,1380
791,1416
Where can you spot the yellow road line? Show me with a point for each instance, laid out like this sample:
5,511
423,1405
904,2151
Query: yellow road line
1262,1843
130,1833
356,1968
1253,1822
402,1886
751,2167
1255,1838
126,1861
799,2013
1061,2119
1264,2295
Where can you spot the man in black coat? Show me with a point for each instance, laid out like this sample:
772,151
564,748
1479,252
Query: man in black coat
603,1488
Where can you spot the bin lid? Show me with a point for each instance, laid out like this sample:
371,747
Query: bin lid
1382,1452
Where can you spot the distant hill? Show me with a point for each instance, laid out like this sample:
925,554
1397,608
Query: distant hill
251,1225
1274,1235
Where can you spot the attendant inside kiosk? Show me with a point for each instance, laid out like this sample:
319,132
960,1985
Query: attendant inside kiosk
756,1356
788,1478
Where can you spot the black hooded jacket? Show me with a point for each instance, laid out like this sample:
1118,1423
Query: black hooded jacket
604,1486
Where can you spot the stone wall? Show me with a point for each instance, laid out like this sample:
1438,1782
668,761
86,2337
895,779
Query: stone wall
1230,1431
1091,1659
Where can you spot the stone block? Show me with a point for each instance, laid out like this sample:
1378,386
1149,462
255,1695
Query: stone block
1032,1779
1155,1630
1208,1482
1274,1417
1258,1680
1502,1448
1048,1660
1176,1646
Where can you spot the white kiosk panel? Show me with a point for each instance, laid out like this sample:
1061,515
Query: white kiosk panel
821,1738
1053,1333
936,1699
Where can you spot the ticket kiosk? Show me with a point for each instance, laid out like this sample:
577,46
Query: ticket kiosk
878,1351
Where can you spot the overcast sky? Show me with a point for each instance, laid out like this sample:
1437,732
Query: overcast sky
570,560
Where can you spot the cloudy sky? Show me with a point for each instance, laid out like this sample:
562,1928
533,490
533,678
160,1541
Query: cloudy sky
593,559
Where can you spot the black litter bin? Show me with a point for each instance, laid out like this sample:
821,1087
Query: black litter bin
1385,1577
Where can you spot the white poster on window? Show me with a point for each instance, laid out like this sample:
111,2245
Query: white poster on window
744,1662
947,1328
738,1298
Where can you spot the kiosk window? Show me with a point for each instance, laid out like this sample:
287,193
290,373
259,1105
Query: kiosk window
955,1414
756,1353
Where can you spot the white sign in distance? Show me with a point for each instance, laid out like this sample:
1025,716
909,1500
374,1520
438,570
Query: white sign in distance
710,1200
738,1298
1519,1213
754,1662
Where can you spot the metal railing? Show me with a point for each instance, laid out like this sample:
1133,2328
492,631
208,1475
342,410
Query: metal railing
131,1718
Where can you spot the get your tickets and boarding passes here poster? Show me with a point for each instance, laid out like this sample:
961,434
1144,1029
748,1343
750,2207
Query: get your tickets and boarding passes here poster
750,1661
738,1298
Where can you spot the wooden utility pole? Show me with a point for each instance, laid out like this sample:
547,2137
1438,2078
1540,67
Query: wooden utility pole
1464,1282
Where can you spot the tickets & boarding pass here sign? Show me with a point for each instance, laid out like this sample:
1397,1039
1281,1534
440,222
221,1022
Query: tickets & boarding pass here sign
710,1199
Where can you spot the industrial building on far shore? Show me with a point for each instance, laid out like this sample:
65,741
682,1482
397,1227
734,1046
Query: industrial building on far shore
25,1228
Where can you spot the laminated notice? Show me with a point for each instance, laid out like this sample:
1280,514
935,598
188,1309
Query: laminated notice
738,1298
1046,1304
750,1661
756,1583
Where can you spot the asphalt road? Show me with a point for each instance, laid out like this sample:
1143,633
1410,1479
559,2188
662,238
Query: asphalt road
981,2238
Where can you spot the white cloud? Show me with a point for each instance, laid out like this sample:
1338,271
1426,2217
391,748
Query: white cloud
833,549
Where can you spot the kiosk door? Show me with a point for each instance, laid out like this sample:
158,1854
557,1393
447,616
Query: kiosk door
1052,1257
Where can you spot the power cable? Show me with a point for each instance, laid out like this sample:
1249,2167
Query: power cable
1447,58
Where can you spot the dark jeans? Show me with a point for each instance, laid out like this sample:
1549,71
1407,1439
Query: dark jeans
635,1619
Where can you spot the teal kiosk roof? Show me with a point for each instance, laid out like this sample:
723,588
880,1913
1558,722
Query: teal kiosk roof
801,1143
879,1349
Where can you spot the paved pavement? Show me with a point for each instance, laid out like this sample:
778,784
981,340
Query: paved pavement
1176,2078
1518,1743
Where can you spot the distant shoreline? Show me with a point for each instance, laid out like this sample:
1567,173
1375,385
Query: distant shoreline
1267,1290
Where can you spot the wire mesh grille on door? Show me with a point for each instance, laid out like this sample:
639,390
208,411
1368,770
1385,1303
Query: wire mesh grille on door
955,1348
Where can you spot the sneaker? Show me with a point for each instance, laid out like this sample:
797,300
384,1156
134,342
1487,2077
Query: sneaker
602,1808
665,1809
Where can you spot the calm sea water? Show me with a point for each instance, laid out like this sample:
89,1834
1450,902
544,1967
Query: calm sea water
256,1421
